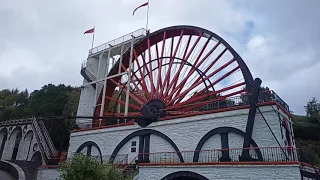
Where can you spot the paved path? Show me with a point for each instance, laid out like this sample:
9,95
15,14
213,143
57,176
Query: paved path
5,175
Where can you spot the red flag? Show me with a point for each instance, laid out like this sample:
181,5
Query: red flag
145,4
89,31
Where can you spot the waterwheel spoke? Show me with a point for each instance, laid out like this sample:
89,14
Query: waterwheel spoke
137,98
198,81
192,70
140,92
122,102
172,58
150,68
189,107
182,84
177,70
143,84
160,61
202,95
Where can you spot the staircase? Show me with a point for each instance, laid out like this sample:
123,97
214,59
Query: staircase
45,141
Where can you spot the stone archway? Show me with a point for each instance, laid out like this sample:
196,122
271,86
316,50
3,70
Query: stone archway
184,175
16,137
3,139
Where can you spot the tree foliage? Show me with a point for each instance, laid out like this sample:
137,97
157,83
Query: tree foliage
82,167
51,102
313,110
13,103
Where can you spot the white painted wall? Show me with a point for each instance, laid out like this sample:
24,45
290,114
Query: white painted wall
220,172
26,147
186,132
48,174
86,105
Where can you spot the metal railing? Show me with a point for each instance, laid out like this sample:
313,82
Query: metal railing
122,39
268,154
89,70
118,159
41,139
16,121
264,96
47,138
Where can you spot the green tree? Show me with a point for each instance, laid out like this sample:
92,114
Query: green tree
13,104
55,103
312,108
82,167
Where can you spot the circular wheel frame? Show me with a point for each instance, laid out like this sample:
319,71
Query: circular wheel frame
176,70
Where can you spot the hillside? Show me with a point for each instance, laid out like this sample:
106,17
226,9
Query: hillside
56,103
307,135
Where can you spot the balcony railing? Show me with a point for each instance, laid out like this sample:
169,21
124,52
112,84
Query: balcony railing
138,33
264,96
265,154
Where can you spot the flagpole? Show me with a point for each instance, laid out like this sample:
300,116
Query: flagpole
147,16
94,30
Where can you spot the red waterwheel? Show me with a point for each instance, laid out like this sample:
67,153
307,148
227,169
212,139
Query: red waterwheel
176,70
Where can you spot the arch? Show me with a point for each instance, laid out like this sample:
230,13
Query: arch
184,175
89,145
27,140
17,134
221,130
146,132
37,158
3,139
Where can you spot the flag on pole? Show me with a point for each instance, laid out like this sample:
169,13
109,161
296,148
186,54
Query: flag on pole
145,4
89,31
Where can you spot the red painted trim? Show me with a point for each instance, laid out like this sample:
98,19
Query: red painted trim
309,165
221,163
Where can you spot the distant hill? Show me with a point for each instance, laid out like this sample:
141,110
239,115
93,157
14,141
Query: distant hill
307,135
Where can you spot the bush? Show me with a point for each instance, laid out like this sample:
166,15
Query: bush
82,167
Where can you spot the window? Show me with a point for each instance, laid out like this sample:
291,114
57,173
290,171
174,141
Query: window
134,146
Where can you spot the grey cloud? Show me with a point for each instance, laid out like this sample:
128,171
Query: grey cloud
42,41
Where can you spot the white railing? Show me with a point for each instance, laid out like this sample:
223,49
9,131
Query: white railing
47,138
41,138
16,121
90,71
127,37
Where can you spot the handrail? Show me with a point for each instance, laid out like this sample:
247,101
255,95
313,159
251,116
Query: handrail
41,138
48,139
270,154
127,37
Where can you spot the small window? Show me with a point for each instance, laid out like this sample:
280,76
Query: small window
133,143
133,149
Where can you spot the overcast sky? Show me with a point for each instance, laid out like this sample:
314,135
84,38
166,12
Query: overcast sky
42,41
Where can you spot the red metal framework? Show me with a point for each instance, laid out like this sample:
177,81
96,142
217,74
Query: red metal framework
182,68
